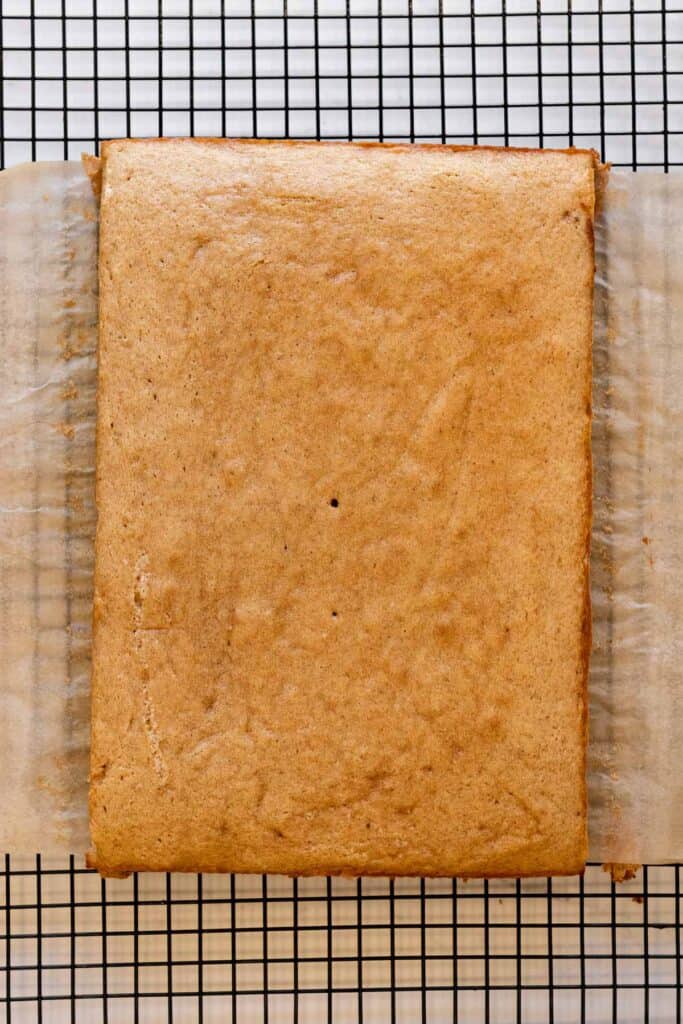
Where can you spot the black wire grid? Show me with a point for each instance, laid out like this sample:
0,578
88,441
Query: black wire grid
246,949
249,949
603,74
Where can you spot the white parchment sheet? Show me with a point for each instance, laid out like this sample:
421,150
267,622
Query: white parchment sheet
48,316
636,682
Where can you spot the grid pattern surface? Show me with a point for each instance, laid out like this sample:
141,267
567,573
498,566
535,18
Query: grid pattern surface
247,949
601,73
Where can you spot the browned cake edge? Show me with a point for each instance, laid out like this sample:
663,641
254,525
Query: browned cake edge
94,168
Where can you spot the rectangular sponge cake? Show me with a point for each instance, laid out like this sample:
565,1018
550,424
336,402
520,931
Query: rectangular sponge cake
342,618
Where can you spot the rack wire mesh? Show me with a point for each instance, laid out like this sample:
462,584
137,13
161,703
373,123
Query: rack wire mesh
245,948
600,73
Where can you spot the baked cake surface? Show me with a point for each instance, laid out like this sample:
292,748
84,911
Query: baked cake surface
343,480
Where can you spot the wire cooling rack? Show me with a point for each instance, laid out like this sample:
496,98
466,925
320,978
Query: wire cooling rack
245,949
248,949
604,74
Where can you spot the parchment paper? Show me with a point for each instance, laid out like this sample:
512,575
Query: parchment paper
48,320
48,313
636,682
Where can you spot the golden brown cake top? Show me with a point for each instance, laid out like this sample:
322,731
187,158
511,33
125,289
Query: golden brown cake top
343,482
